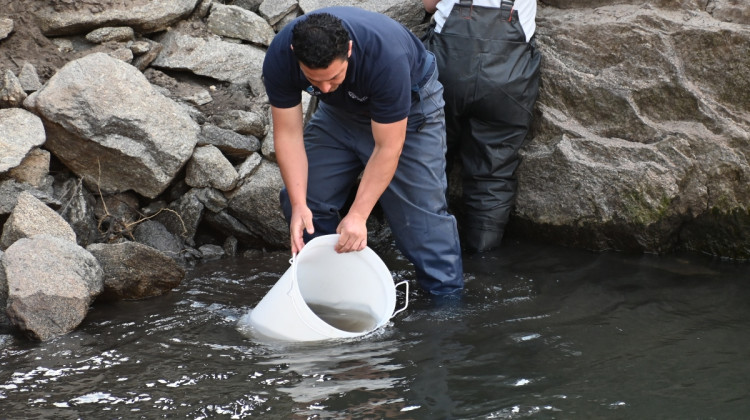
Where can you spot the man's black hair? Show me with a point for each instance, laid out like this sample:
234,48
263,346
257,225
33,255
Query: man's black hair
319,39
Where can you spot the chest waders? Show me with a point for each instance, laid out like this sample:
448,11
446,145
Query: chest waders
491,80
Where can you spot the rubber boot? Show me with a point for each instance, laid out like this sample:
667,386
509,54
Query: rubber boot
476,240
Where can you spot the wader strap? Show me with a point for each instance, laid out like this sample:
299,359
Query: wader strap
506,9
465,7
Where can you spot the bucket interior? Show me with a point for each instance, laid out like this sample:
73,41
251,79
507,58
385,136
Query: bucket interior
352,292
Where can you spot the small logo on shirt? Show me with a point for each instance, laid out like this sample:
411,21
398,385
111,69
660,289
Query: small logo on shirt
355,97
312,91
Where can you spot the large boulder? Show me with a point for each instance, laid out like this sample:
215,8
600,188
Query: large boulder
642,136
51,284
110,126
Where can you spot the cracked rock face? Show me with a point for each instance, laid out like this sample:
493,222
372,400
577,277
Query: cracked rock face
641,134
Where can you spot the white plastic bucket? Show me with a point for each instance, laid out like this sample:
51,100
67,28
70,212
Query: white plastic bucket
319,276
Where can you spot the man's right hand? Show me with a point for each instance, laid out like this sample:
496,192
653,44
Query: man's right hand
301,220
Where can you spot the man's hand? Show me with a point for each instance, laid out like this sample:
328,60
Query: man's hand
353,231
379,170
301,220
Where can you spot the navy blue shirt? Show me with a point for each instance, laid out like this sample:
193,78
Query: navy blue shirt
386,61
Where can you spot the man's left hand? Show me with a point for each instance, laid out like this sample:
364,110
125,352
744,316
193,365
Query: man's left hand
353,231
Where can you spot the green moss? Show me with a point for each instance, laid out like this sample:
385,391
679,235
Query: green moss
639,209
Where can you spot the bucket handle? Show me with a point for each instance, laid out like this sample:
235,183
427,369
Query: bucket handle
406,296
293,263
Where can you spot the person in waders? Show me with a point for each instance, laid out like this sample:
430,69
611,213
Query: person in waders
380,114
489,64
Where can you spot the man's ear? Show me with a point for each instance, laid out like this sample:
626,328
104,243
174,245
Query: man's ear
292,46
349,54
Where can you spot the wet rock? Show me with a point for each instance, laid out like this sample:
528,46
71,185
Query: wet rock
135,271
32,217
228,225
156,235
638,131
107,124
211,252
231,244
51,284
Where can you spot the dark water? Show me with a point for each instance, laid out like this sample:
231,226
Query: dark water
542,332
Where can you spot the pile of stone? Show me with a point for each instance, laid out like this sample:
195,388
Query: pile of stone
115,175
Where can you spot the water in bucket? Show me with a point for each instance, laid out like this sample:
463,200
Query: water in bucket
326,295
350,320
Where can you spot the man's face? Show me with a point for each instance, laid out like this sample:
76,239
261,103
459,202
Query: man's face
329,78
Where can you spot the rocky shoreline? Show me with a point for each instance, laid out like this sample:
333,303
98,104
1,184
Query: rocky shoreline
135,139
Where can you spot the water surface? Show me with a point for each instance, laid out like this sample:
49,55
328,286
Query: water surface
541,332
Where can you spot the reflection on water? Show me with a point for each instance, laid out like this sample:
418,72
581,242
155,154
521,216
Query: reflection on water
541,332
